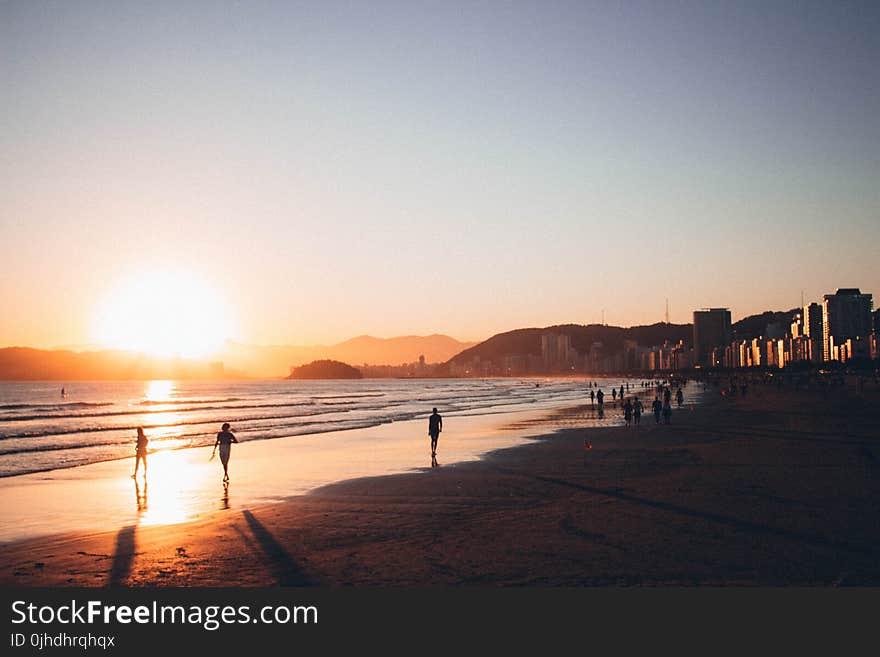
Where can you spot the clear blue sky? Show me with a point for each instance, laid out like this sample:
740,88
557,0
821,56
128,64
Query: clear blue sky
456,167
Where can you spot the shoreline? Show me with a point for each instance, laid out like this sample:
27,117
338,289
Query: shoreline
87,445
774,489
182,483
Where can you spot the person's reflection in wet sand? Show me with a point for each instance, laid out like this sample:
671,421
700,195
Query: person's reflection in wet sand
601,413
140,496
224,501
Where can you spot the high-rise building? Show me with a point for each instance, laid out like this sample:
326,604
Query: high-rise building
845,314
797,326
711,330
564,352
813,329
548,350
556,351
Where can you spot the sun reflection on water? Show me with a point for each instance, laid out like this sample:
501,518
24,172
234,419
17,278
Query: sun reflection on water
172,491
159,391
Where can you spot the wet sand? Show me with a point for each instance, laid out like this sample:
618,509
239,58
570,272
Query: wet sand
779,488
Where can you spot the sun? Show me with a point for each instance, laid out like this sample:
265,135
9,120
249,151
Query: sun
163,312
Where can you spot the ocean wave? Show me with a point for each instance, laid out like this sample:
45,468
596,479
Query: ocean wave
69,434
172,402
4,407
246,434
388,410
70,416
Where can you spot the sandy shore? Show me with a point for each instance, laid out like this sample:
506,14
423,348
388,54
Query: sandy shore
779,488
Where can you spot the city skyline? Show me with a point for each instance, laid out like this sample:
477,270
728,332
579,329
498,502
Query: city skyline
844,328
802,311
300,173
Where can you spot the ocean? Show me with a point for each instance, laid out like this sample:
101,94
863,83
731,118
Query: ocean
41,430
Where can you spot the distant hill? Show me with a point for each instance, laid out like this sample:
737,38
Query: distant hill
753,326
397,351
325,369
528,341
364,349
238,360
235,360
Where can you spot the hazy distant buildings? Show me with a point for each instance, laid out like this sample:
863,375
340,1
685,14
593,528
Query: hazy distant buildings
556,352
711,331
846,315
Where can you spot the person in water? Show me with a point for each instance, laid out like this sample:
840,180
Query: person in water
140,452
225,439
435,426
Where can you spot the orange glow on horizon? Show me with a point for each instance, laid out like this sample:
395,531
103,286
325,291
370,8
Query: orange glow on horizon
162,312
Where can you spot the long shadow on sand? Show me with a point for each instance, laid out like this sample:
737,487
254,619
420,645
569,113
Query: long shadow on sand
285,568
815,540
123,555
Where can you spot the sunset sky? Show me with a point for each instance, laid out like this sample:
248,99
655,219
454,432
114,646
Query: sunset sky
303,172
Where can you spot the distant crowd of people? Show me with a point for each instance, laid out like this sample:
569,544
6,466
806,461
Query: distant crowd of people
632,406
738,384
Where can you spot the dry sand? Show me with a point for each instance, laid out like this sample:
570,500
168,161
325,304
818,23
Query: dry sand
779,488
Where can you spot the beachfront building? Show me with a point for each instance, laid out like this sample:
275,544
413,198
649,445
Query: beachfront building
846,314
850,348
711,331
814,331
556,352
843,328
799,349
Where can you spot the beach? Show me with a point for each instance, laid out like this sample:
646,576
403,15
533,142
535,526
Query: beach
777,488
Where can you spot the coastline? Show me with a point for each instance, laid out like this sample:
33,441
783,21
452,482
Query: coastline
183,484
774,489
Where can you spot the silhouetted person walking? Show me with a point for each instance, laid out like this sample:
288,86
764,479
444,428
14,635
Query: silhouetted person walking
435,426
628,412
637,411
225,439
613,394
657,407
679,397
140,452
667,412
600,397
592,397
